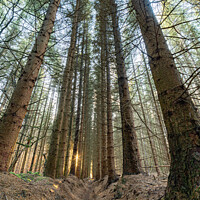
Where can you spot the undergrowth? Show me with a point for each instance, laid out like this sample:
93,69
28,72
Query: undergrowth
30,176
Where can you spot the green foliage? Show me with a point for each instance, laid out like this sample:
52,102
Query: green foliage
196,193
123,180
30,176
25,145
118,193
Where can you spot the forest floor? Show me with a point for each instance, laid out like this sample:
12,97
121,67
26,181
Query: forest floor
35,187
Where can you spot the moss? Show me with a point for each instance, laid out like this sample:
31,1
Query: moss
196,193
118,193
30,176
123,180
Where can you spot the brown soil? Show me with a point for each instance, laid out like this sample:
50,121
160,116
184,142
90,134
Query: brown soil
133,187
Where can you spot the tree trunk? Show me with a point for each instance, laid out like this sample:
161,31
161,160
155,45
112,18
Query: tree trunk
50,169
180,115
75,148
3,97
71,117
11,122
81,131
98,134
94,138
18,152
87,123
103,22
110,143
65,128
23,131
131,162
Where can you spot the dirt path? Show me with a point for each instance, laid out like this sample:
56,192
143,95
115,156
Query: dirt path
138,187
89,194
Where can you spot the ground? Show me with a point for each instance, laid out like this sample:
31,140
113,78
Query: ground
35,187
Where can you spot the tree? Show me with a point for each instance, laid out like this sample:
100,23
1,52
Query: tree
77,129
11,122
98,127
81,129
180,115
131,163
103,21
110,144
50,169
71,115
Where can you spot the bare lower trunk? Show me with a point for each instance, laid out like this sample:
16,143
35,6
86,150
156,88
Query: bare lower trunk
19,149
110,164
87,128
98,134
81,131
64,131
75,148
11,122
103,22
71,118
180,116
131,163
110,143
50,169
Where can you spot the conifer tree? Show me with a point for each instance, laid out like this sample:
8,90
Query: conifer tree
11,122
180,115
50,169
131,162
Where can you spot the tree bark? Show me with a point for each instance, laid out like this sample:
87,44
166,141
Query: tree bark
18,152
23,130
